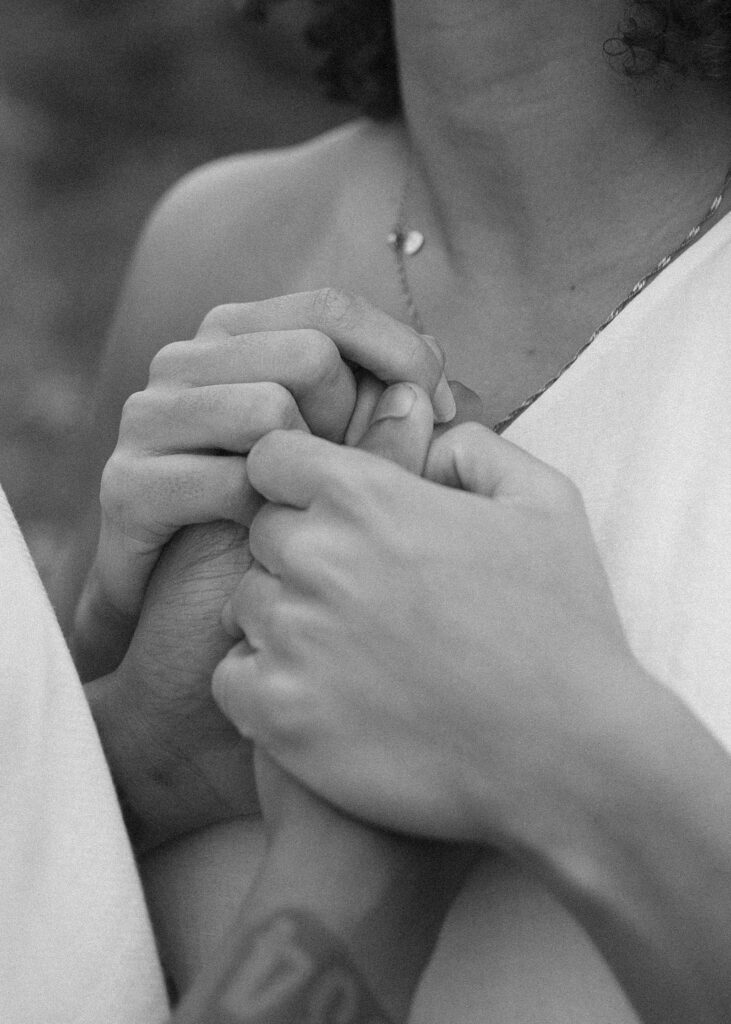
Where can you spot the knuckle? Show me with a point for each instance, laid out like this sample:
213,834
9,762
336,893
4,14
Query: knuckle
225,686
117,489
279,408
320,357
566,493
133,410
296,549
333,307
167,362
223,318
138,491
421,362
149,415
283,713
465,437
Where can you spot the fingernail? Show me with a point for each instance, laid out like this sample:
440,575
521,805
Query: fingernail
395,403
445,407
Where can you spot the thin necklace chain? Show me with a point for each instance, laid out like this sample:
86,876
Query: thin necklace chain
407,242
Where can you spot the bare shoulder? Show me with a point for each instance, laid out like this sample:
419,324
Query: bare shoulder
239,229
242,228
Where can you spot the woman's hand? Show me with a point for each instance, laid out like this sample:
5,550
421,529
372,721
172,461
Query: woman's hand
452,664
285,363
430,659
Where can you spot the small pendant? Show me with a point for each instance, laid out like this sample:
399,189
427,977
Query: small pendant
408,241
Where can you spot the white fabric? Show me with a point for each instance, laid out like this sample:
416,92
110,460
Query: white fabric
642,424
75,941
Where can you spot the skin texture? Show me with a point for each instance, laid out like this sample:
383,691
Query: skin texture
165,473
297,929
550,741
502,610
612,186
617,182
177,762
197,771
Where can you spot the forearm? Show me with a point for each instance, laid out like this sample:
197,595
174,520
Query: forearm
643,859
284,969
346,926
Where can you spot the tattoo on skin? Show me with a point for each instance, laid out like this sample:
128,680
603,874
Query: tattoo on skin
291,970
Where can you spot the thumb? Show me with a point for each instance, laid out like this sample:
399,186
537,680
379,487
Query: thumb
401,427
473,458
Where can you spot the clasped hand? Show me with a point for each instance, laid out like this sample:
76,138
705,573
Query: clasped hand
443,660
289,363
469,624
180,460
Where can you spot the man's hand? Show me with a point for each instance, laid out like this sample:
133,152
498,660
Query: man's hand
177,762
283,363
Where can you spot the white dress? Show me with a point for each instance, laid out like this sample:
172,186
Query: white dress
75,940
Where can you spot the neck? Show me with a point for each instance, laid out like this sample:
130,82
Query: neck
519,124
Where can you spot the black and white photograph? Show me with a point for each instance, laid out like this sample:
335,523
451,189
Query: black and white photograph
365,512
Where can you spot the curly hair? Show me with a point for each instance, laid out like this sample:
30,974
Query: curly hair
689,37
360,65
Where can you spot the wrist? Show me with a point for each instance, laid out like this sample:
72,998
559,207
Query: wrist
622,772
284,966
580,761
640,852
376,892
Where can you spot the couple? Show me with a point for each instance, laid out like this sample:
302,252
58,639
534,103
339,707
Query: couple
527,675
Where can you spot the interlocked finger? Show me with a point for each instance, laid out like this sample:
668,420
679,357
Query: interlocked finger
252,606
226,417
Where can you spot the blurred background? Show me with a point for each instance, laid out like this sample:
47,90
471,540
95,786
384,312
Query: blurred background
103,104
